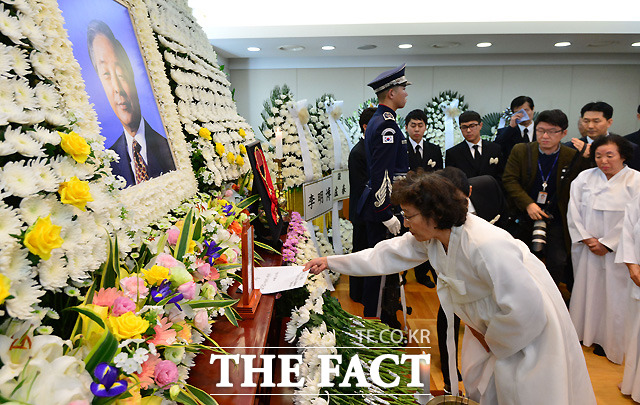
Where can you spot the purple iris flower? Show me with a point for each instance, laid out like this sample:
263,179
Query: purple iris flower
107,385
163,291
212,252
228,210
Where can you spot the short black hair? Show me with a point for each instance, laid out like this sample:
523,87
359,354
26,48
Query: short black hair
434,196
598,106
638,109
554,117
624,147
97,27
365,116
520,100
469,116
457,177
418,115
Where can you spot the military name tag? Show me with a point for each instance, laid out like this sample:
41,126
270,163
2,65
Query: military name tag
542,197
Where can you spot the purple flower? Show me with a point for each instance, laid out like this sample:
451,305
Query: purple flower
212,252
163,291
107,386
228,210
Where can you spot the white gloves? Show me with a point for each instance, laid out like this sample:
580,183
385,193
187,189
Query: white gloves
393,225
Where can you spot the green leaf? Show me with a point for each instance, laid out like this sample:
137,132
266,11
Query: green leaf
89,314
185,237
202,396
248,201
197,230
104,351
110,269
266,247
212,303
182,398
231,316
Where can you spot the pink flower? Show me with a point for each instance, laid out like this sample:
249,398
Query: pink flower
148,369
172,235
134,288
214,274
201,320
213,284
106,296
122,305
166,260
164,335
166,372
204,270
228,193
188,290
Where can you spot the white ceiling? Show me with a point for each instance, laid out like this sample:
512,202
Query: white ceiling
520,28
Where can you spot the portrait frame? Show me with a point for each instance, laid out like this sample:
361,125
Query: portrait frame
148,200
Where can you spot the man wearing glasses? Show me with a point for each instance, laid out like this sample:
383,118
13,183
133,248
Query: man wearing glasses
536,179
475,156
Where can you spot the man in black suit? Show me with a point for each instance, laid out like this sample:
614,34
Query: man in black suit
143,152
520,127
475,156
634,137
597,118
422,153
358,178
428,156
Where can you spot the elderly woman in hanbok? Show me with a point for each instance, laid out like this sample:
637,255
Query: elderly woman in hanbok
596,211
523,349
629,254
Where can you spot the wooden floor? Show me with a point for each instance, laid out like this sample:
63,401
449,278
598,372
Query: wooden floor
605,375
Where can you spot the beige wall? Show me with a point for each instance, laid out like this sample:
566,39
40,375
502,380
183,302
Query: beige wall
486,88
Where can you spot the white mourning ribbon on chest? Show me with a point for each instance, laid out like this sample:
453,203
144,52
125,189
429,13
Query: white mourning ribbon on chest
451,113
295,109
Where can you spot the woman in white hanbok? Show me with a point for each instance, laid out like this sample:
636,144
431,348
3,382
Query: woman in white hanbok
596,210
522,348
629,254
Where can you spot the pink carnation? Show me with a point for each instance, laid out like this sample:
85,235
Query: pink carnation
122,305
166,260
201,320
134,288
166,372
106,296
188,290
164,335
172,235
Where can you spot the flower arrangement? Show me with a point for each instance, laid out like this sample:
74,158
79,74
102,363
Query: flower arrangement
346,235
352,122
321,115
490,125
446,104
215,133
281,111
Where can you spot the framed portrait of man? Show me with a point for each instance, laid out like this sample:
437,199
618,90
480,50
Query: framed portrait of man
118,84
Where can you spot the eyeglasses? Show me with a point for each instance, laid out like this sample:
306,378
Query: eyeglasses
467,127
408,217
540,131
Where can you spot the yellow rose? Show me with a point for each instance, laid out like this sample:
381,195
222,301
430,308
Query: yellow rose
5,284
127,326
156,274
75,192
219,148
75,145
43,237
239,160
230,157
205,133
242,133
243,150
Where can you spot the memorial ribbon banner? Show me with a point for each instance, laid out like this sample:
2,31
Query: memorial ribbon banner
318,197
340,184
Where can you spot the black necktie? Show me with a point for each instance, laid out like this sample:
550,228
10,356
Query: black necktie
476,153
418,151
526,134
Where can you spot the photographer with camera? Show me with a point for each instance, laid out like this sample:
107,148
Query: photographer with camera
536,180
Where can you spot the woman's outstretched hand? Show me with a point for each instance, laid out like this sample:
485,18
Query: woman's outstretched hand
317,265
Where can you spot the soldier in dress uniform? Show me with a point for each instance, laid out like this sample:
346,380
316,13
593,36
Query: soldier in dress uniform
386,153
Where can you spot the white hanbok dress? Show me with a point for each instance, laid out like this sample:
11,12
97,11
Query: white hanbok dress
598,300
495,285
629,252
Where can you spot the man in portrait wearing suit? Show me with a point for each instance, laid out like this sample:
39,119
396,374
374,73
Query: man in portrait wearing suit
358,179
428,156
475,156
634,137
143,152
597,118
520,128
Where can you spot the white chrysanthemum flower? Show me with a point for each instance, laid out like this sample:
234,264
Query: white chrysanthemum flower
35,206
45,174
21,64
19,180
43,135
6,63
7,148
41,63
10,223
62,214
23,144
53,273
56,118
47,96
25,96
25,295
27,117
10,26
64,167
79,264
14,262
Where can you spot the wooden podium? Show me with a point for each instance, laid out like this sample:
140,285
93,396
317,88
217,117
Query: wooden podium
248,304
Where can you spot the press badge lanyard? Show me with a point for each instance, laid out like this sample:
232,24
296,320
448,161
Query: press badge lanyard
542,195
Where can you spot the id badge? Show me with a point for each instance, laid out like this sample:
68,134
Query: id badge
542,197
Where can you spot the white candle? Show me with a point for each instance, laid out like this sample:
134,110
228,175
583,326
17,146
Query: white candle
278,143
425,374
